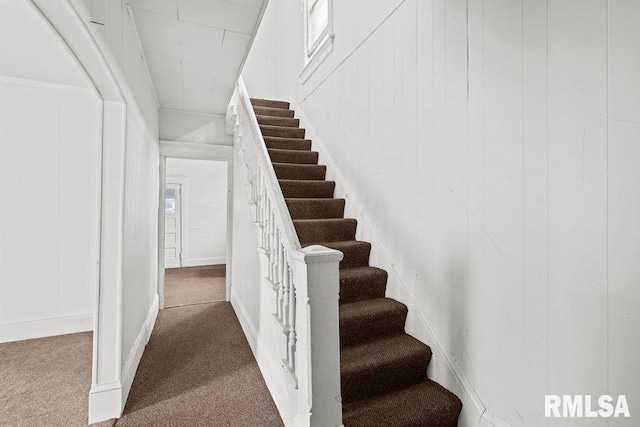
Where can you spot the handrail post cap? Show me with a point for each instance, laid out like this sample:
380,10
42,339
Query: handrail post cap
316,254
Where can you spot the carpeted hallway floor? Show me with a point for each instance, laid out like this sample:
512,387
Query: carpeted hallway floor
46,381
198,370
194,285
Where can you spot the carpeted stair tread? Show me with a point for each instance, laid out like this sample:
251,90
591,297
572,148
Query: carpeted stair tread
383,369
283,131
315,208
320,231
381,365
370,319
281,143
293,156
257,102
294,171
292,188
356,253
273,112
278,121
425,403
362,283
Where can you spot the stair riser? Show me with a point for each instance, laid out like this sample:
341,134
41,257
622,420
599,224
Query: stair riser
273,112
269,103
284,132
296,157
385,378
287,143
360,290
278,121
310,189
314,234
301,172
364,329
316,209
355,256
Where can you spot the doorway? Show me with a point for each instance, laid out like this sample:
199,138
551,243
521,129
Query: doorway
195,231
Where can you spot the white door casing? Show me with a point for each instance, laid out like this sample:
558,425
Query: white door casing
173,225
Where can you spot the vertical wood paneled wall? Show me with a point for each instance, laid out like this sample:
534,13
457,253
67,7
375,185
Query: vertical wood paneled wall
49,197
114,31
493,147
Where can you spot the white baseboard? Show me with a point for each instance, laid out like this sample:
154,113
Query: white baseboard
107,401
48,327
474,412
268,366
197,262
131,365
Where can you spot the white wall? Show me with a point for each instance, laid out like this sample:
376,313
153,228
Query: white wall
193,127
113,29
204,209
490,149
50,133
32,50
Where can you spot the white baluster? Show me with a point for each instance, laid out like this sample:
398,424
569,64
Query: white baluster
291,350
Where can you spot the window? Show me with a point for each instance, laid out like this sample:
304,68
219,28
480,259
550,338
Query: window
317,12
318,33
169,201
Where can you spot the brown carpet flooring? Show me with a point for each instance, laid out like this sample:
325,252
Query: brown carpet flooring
383,370
194,285
198,370
46,381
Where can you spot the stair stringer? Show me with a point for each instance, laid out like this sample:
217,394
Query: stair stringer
443,367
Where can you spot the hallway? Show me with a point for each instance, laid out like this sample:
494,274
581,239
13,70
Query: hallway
194,285
198,369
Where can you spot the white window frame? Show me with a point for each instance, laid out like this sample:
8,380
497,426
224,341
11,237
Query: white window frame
316,53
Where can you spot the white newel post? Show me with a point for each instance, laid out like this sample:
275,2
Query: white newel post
319,342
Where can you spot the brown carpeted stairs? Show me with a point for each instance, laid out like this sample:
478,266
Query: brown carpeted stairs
383,370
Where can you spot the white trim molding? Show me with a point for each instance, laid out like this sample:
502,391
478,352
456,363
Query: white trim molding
135,355
106,401
46,327
197,262
320,54
194,150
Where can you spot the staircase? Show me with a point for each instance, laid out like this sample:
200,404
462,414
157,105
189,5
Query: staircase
383,370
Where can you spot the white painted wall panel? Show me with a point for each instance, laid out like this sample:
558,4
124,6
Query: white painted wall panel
113,29
50,139
489,150
191,127
623,166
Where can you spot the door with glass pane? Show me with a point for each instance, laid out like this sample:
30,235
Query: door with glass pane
172,226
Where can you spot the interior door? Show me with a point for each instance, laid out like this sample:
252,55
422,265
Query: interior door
172,226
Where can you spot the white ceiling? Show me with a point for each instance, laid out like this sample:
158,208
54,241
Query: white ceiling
195,48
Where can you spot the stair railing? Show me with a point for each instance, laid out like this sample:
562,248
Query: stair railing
304,281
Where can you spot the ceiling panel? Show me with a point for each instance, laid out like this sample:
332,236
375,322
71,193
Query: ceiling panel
201,35
212,13
158,45
195,48
236,42
152,23
168,8
242,18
